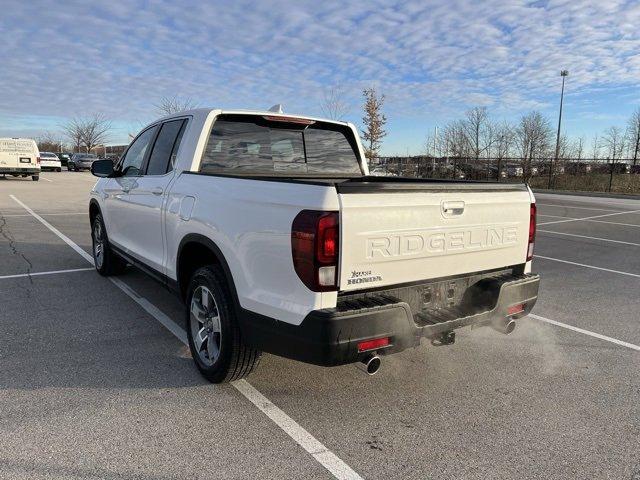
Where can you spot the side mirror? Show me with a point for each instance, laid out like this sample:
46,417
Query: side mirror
102,168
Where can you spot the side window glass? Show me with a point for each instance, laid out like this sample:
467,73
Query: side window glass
132,163
162,155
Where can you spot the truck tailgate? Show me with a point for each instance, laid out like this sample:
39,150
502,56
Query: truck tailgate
410,233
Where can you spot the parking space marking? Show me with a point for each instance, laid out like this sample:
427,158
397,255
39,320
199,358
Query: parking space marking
588,266
337,467
591,238
62,236
50,272
580,208
47,214
46,179
586,332
587,218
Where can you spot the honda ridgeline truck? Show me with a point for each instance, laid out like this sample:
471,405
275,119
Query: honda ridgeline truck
271,230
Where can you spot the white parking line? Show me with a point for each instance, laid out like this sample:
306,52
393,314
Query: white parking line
45,214
570,206
302,437
586,332
588,266
46,179
587,218
591,238
50,272
62,236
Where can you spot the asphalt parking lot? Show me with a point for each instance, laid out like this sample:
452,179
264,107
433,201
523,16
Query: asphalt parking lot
93,385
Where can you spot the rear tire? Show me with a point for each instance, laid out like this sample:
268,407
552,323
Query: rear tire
107,263
35,178
58,169
221,354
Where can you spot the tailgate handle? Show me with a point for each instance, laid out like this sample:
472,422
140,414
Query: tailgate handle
450,209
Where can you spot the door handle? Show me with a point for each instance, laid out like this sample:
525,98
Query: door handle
157,190
452,208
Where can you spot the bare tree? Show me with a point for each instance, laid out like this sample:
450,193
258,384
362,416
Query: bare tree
456,143
73,129
49,142
333,105
505,136
170,105
479,130
578,148
614,141
633,132
534,139
95,131
595,148
374,122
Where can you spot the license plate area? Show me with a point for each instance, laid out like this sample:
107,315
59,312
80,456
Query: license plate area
25,160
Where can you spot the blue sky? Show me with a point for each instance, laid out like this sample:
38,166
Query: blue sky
433,59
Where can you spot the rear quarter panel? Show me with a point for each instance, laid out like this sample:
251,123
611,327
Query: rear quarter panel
250,222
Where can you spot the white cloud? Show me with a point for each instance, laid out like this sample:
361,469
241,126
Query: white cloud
432,57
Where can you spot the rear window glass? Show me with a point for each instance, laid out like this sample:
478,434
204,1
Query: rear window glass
243,144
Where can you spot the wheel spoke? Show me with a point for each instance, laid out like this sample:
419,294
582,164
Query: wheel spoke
205,299
200,338
215,324
212,347
197,310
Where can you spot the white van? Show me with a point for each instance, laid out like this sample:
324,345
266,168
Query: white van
19,157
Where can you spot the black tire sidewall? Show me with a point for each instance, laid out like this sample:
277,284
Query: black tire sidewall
212,278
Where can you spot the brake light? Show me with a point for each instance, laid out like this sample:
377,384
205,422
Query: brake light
38,160
314,247
368,345
532,231
301,121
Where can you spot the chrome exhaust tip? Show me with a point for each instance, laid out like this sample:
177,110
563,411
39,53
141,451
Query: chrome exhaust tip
505,325
370,364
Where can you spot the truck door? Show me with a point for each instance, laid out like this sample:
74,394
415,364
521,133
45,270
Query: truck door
147,196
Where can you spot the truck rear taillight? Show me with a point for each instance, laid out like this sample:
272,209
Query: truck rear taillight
38,160
314,247
532,231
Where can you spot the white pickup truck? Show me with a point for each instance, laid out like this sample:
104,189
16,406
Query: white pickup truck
270,229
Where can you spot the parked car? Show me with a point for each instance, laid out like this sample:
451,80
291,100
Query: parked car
271,230
19,157
64,158
50,161
514,170
81,161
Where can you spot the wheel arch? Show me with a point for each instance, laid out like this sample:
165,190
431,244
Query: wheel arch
94,209
196,251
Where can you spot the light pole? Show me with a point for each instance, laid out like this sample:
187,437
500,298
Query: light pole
563,74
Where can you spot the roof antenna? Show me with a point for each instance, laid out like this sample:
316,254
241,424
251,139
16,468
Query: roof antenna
277,108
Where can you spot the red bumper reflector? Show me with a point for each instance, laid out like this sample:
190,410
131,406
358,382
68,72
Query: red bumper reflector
513,309
373,344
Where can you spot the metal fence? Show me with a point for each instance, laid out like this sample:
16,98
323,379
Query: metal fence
585,174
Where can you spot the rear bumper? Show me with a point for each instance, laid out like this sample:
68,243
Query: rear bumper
19,171
330,337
